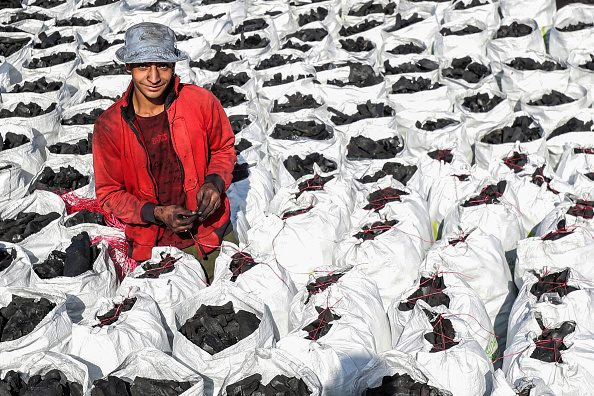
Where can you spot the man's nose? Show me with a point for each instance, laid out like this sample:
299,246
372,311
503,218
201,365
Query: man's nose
154,74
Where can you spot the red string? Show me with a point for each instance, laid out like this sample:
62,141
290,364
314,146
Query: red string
75,203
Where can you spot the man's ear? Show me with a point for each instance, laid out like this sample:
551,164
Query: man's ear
128,67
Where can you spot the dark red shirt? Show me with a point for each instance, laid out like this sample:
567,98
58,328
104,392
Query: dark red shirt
165,170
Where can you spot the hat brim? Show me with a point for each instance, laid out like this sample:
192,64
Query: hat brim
151,54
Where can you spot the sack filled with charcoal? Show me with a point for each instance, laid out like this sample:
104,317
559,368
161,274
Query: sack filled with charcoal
77,177
440,160
526,385
32,110
575,211
541,11
414,93
12,182
460,38
514,35
15,266
414,20
576,127
485,11
573,28
404,170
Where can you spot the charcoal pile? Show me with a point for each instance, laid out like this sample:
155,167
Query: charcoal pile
278,79
21,316
77,21
550,343
583,150
101,44
217,63
520,63
420,66
462,32
559,233
474,3
76,260
583,209
240,171
297,212
572,125
401,384
82,147
290,44
23,16
277,60
85,216
443,155
113,314
238,79
240,263
308,35
466,69
370,7
519,130
83,118
321,283
301,130
298,167
364,26
321,326
515,29
369,232
99,3
555,282
434,125
27,110
406,49
91,72
215,328
401,23
360,76
51,60
250,25
315,183
361,147
279,385
516,161
114,386
242,145
7,256
24,225
358,45
94,95
53,383
295,102
407,85
154,270
555,98
315,14
39,86
12,140
364,110
380,198
488,196
539,179
574,27
251,42
589,65
52,40
11,4
431,291
67,178
443,334
402,173
481,102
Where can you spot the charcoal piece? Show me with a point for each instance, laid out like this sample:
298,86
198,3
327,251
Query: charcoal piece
559,233
279,385
53,383
589,65
481,102
370,7
82,147
288,386
443,334
101,44
77,21
455,241
359,76
380,198
85,216
248,323
583,150
7,256
80,255
516,161
22,315
371,231
316,14
250,25
463,32
52,267
113,314
583,209
277,79
295,102
228,96
299,47
240,172
238,122
308,35
589,175
576,26
519,130
420,66
413,84
299,130
401,23
23,16
251,42
441,155
246,386
520,63
111,386
358,45
466,69
99,3
27,110
5,167
401,384
83,118
148,386
218,62
430,290
572,125
364,110
209,2
52,40
489,195
361,147
238,79
555,98
539,179
51,60
315,183
11,4
39,86
297,212
24,225
94,95
514,29
434,125
111,69
359,28
406,49
321,326
550,343
555,282
48,3
299,167
240,263
12,140
65,179
242,145
207,17
10,29
277,60
474,3
321,283
154,270
400,172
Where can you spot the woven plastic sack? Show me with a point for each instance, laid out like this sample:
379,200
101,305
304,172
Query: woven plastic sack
18,273
452,46
558,143
562,42
578,72
460,86
542,11
30,156
441,161
533,385
13,182
423,30
44,123
574,210
369,174
576,157
252,195
499,48
60,70
487,13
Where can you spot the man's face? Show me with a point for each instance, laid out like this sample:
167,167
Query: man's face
151,79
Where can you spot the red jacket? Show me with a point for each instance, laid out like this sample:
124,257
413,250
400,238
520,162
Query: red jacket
204,143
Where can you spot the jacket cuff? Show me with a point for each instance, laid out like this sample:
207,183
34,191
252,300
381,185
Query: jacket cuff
147,213
217,181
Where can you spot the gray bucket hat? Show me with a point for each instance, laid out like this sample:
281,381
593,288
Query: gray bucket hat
149,42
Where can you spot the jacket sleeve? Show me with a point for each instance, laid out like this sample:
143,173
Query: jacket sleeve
221,140
109,179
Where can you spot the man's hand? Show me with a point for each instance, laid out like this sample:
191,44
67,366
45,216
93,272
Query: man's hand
208,200
175,217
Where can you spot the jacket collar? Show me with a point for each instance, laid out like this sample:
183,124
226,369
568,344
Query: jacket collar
128,106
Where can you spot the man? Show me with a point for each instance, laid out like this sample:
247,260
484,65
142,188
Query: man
164,153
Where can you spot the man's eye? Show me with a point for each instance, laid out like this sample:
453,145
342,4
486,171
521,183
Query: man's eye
164,67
